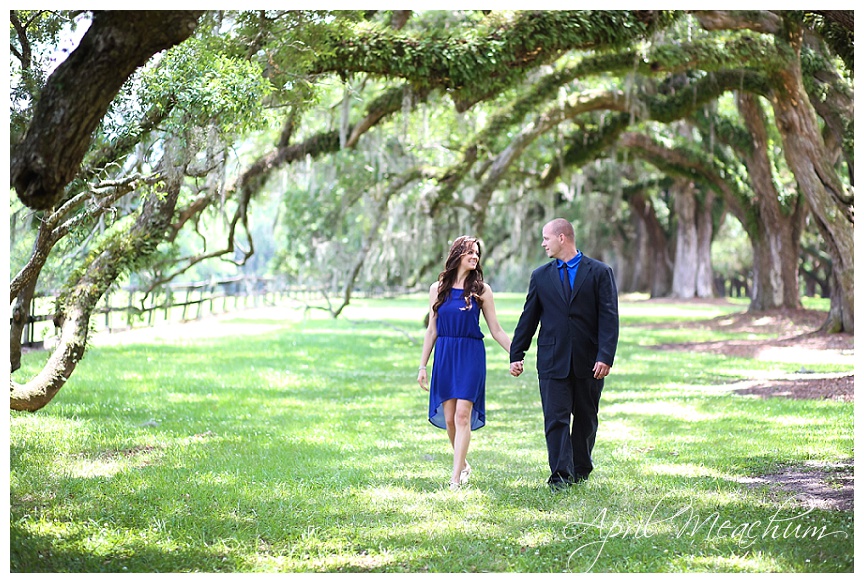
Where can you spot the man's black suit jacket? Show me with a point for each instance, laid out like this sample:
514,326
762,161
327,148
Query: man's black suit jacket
583,330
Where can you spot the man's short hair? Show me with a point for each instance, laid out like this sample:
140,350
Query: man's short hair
562,227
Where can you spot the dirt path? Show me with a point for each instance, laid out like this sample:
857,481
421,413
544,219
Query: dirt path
797,340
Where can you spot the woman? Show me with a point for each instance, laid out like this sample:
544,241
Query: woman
457,399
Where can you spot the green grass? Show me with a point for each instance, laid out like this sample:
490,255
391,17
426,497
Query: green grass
293,442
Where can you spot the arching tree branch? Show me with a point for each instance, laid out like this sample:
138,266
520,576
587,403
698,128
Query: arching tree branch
78,93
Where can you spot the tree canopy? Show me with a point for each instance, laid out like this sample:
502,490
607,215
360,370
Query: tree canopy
346,148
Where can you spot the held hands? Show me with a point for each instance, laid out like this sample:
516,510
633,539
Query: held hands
516,368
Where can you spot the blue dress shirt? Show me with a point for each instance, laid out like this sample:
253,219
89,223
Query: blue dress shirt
572,266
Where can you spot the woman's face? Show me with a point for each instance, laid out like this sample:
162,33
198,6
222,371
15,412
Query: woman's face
471,257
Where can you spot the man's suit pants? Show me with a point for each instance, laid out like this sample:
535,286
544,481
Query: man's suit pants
570,449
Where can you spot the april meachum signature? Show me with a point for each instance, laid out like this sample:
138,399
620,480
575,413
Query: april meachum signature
687,523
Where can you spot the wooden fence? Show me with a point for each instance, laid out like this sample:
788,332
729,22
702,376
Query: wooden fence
128,308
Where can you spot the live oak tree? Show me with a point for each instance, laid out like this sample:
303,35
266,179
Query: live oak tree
415,55
75,97
518,99
773,221
774,70
830,200
78,93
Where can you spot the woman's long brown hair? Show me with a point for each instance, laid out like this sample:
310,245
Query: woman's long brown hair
473,281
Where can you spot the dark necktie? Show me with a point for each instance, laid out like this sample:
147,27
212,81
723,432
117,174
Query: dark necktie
568,291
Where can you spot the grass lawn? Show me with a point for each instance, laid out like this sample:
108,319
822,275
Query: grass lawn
286,441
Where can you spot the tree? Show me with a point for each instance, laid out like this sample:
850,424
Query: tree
774,222
77,95
774,71
129,244
804,148
651,259
191,143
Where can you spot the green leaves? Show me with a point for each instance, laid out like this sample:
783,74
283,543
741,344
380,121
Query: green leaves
205,87
494,56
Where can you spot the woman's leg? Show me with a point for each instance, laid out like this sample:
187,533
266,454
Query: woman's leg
461,437
449,414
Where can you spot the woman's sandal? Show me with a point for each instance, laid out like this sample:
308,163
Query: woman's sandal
455,486
465,474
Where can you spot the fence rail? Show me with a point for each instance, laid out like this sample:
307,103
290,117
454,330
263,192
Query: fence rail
129,307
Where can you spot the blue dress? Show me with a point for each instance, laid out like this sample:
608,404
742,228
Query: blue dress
459,367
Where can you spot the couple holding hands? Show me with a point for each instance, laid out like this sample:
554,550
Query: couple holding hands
573,299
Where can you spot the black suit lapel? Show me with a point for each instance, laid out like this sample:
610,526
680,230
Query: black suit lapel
554,279
581,274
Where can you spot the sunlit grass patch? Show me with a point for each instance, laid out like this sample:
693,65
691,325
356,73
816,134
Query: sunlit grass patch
305,447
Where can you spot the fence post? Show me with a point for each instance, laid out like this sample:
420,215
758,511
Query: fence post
108,312
185,305
129,311
30,327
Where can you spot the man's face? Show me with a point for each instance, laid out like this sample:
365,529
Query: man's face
551,242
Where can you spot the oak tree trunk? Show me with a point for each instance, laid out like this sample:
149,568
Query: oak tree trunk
830,205
704,235
686,256
774,233
652,249
73,317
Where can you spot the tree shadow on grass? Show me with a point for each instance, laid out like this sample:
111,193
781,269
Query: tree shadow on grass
38,553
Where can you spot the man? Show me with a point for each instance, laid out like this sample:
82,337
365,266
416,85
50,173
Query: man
575,301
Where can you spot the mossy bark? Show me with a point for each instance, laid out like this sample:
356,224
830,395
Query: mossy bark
78,94
120,253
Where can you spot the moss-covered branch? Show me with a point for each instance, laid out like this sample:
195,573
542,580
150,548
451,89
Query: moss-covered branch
121,252
489,58
692,163
837,29
710,55
831,95
594,137
79,92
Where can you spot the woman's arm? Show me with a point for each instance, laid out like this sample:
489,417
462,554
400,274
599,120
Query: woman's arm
429,338
495,328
